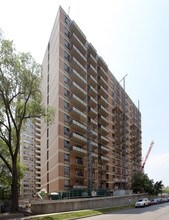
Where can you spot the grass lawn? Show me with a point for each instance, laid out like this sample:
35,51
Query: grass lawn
80,214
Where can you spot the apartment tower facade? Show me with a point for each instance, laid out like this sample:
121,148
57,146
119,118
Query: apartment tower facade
30,157
95,140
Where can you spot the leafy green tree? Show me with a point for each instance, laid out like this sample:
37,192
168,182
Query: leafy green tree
138,183
158,187
141,183
20,99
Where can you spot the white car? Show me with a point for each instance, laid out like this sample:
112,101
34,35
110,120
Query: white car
142,203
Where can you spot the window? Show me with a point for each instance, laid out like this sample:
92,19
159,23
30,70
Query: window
67,33
66,80
67,44
66,131
66,183
66,118
67,20
66,105
47,143
47,155
79,160
66,93
66,157
47,166
66,144
66,68
66,171
66,56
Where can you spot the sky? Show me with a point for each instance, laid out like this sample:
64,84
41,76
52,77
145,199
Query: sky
132,36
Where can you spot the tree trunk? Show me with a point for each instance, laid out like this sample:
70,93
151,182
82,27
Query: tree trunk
15,188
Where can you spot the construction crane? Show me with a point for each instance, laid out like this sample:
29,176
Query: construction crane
149,150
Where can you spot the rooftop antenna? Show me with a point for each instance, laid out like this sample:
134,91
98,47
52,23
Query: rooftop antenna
68,10
138,105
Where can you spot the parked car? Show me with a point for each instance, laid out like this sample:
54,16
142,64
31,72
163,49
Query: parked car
154,201
142,203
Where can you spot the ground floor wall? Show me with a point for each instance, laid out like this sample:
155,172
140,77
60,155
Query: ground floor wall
53,206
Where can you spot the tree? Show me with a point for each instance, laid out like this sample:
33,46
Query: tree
20,99
141,183
158,186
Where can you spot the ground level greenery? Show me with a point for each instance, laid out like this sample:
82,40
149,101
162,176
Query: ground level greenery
81,214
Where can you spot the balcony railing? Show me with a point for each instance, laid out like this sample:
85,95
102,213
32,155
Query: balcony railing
78,138
79,56
75,40
78,150
78,78
76,101
75,64
78,126
75,88
79,115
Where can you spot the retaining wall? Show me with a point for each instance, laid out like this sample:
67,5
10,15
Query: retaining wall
53,206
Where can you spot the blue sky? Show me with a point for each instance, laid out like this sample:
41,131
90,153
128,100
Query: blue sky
132,36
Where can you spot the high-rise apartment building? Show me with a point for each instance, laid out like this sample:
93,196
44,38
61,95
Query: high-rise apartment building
30,157
95,139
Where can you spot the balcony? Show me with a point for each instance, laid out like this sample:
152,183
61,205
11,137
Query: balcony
75,125
102,63
94,155
117,180
76,101
77,138
103,120
103,130
75,40
92,102
91,91
94,144
79,187
75,64
79,56
81,81
78,115
103,140
92,112
103,101
103,73
76,89
103,158
92,60
92,71
103,149
93,123
92,81
78,150
103,110
103,82
103,92
75,29
94,134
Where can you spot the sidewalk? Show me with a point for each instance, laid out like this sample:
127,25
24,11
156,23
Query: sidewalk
8,216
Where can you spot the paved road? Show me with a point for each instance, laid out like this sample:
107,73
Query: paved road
156,212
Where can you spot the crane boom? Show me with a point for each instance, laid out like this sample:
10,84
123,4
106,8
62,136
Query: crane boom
149,150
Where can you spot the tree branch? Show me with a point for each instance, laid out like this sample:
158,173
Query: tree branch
6,163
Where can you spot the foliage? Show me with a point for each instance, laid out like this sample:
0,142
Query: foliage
82,213
141,183
20,99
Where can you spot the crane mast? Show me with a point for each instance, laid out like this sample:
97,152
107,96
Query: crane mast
149,150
